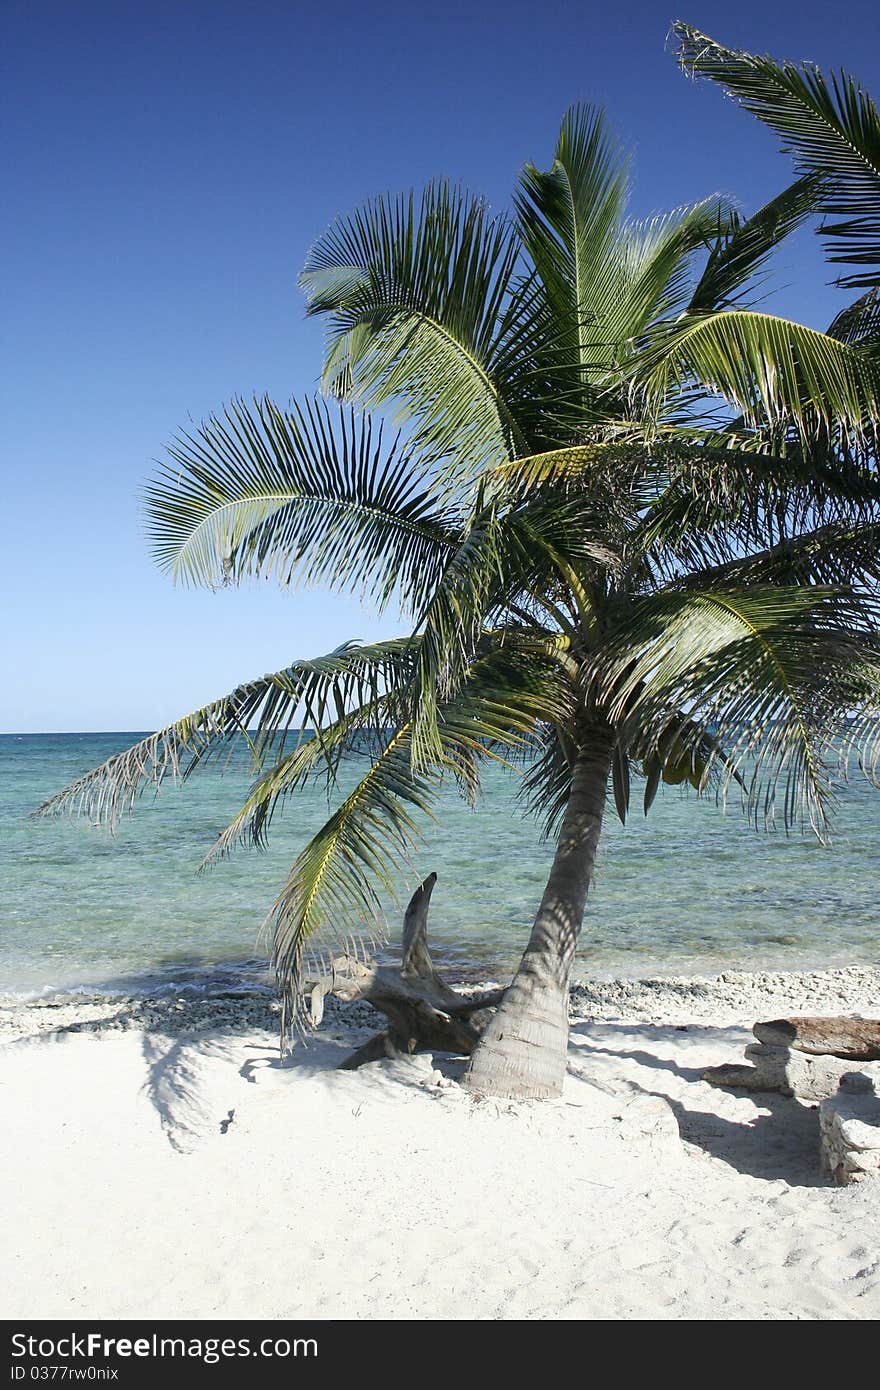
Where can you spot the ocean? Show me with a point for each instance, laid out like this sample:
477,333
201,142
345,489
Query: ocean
687,890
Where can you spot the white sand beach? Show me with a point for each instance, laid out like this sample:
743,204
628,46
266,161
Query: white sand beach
159,1161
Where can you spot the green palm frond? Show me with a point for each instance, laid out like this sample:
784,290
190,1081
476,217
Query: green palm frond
332,900
416,295
657,262
832,555
361,731
334,889
489,567
451,625
635,467
514,684
684,505
507,556
741,248
769,672
612,462
546,783
720,505
859,733
570,218
369,692
775,372
683,751
859,323
831,128
258,715
306,494
604,279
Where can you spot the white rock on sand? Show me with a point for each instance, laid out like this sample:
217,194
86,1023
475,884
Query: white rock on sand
161,1163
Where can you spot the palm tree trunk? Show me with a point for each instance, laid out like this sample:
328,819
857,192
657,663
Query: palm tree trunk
523,1052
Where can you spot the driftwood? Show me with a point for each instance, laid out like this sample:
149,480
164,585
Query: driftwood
424,1013
856,1039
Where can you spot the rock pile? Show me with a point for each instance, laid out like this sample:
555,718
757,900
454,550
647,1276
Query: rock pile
804,1056
849,1131
812,1058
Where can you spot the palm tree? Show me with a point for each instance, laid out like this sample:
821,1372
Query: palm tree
629,519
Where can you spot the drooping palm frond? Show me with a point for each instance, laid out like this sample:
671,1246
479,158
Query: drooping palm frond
775,372
859,323
680,750
257,715
769,672
830,127
634,467
519,680
677,505
859,733
332,900
589,465
362,731
333,892
833,555
451,625
416,295
720,505
306,494
359,696
546,784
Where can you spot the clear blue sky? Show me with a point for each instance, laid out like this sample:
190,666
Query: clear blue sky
166,165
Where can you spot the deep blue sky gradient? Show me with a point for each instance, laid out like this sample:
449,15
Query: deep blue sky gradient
166,166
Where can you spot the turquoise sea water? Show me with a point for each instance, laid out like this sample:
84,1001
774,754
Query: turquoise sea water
687,890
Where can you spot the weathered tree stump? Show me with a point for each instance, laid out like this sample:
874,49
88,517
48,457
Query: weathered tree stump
424,1013
857,1039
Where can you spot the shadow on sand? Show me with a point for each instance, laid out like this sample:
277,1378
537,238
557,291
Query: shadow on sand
190,1052
778,1138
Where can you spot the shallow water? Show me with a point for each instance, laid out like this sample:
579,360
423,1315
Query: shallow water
687,890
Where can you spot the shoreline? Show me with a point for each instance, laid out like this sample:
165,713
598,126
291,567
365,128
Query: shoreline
729,997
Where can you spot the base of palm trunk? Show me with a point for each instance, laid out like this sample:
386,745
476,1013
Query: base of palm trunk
523,1054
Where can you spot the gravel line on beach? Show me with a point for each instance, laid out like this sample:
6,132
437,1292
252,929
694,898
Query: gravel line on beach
736,996
731,997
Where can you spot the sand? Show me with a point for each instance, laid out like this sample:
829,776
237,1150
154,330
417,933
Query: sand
160,1162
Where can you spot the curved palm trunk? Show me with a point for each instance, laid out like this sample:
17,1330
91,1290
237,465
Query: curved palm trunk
524,1050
